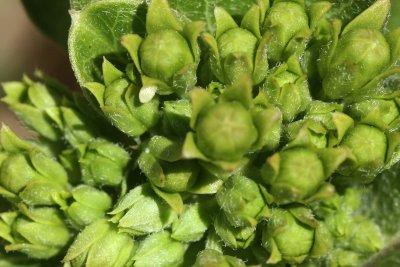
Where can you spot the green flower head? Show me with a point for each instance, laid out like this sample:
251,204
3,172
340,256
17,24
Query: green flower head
293,235
41,233
287,88
286,24
354,64
293,174
101,244
103,163
226,130
164,168
238,51
242,201
29,174
168,56
85,205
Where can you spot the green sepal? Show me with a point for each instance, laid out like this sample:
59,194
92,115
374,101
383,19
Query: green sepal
269,125
372,18
261,64
192,31
235,237
142,212
240,91
132,42
317,12
160,17
251,21
224,21
10,142
193,222
174,200
152,251
207,183
110,72
150,166
201,99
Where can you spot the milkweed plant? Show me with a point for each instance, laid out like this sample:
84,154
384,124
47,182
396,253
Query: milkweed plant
229,133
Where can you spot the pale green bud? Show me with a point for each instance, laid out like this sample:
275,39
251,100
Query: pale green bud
103,163
163,54
293,174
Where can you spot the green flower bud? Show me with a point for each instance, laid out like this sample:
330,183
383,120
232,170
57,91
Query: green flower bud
119,100
174,176
287,238
40,233
236,51
141,211
242,201
293,174
287,24
213,258
168,56
101,244
163,54
288,90
35,177
103,163
159,249
225,131
85,205
360,55
368,144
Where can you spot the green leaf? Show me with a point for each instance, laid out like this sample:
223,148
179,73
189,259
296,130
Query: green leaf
394,19
94,35
381,203
51,17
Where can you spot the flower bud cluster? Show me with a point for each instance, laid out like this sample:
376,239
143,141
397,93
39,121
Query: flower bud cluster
243,146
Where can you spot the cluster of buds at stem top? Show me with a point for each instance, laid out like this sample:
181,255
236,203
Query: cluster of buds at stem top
241,169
